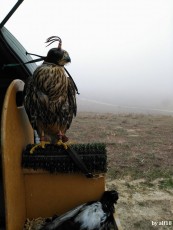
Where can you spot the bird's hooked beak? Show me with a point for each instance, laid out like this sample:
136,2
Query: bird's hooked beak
66,57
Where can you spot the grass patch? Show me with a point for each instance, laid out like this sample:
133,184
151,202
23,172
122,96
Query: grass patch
138,173
147,153
166,183
155,173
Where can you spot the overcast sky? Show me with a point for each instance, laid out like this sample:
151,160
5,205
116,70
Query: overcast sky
121,50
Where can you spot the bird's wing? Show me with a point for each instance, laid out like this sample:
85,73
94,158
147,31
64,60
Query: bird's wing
29,101
71,101
72,96
61,219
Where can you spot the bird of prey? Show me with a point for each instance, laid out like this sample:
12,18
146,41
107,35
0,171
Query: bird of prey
94,215
50,96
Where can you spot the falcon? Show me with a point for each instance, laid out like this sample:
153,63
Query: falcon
50,97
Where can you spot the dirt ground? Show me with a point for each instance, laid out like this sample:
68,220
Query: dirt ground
140,164
141,207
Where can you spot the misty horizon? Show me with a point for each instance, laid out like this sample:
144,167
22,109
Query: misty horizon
93,105
121,51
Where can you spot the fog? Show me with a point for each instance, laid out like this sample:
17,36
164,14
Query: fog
121,50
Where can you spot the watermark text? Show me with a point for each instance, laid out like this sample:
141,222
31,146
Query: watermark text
162,223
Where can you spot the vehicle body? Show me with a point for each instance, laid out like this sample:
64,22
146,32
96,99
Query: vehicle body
11,51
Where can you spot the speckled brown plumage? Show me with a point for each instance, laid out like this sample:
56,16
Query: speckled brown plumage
50,96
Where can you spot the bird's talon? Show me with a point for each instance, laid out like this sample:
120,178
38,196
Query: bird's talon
42,144
65,145
33,149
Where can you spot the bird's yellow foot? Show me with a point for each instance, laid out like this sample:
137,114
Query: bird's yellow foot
62,137
64,144
41,144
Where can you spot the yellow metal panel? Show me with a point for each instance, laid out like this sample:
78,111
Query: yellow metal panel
48,194
16,133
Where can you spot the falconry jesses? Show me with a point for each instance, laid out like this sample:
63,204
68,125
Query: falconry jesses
50,96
